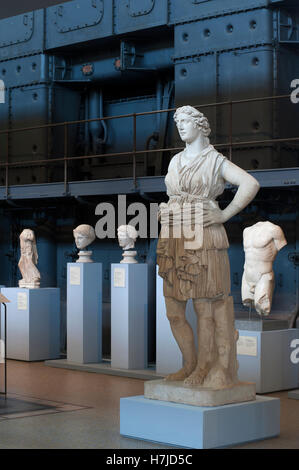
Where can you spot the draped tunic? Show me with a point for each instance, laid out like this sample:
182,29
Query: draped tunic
195,267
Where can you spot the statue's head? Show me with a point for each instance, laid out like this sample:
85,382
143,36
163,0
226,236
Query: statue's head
84,235
191,123
127,235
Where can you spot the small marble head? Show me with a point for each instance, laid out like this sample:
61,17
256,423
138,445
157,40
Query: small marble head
84,235
127,235
190,122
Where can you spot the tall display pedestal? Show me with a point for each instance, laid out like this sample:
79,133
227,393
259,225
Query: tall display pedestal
84,312
265,358
129,310
199,427
33,323
169,358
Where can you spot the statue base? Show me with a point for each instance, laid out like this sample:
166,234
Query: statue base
199,427
29,285
84,257
129,257
197,395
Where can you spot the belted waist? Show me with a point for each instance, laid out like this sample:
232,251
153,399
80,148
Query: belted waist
183,210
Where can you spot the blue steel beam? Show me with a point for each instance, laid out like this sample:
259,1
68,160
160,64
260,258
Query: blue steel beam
281,178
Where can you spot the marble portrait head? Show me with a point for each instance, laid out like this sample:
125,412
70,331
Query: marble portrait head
127,235
84,235
190,123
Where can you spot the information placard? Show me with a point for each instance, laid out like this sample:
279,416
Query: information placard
75,276
22,301
247,346
119,277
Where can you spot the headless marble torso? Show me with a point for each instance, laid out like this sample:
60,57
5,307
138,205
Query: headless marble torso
261,243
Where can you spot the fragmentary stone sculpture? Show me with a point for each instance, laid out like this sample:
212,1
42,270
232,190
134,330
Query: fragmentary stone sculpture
262,242
198,267
127,236
84,235
28,261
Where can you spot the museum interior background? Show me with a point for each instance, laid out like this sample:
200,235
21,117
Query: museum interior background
70,64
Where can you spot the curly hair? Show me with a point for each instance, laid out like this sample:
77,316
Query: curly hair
199,118
128,230
85,230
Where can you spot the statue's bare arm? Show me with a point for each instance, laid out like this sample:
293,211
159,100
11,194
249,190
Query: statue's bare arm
247,189
278,237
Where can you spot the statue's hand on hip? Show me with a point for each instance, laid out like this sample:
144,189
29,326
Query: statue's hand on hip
213,215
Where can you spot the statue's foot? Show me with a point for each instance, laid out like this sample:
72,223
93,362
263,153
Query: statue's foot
218,378
197,377
179,375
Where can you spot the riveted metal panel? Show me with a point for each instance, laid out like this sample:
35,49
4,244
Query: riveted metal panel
17,29
196,84
25,70
132,15
22,34
4,124
78,21
188,10
80,14
225,32
247,74
140,7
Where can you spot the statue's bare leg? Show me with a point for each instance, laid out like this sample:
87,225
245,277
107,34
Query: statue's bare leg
224,373
206,342
263,294
247,293
183,334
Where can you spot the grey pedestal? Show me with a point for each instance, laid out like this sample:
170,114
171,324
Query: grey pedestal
265,358
84,312
129,310
33,323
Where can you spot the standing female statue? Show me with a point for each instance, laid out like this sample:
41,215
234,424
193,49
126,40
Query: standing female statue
28,260
200,269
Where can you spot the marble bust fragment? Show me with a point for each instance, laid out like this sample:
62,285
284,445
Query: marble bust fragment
127,236
261,242
84,235
28,260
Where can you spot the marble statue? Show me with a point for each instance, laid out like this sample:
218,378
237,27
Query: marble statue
198,268
28,260
127,236
84,235
262,242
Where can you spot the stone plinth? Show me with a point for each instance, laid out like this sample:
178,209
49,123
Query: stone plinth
197,395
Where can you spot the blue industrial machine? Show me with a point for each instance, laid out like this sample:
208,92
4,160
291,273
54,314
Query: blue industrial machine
83,81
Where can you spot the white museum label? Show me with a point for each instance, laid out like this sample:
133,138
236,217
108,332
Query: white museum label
22,301
119,277
75,276
2,351
247,346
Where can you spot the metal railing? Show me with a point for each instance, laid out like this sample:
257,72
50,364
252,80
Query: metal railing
230,144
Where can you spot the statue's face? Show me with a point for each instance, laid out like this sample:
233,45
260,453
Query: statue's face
123,239
82,241
187,128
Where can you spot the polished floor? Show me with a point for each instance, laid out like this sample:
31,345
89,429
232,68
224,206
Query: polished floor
87,411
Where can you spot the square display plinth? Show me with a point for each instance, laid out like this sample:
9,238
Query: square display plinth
199,427
33,323
84,312
265,358
129,315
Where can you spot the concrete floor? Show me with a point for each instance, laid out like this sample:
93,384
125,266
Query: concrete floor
96,425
